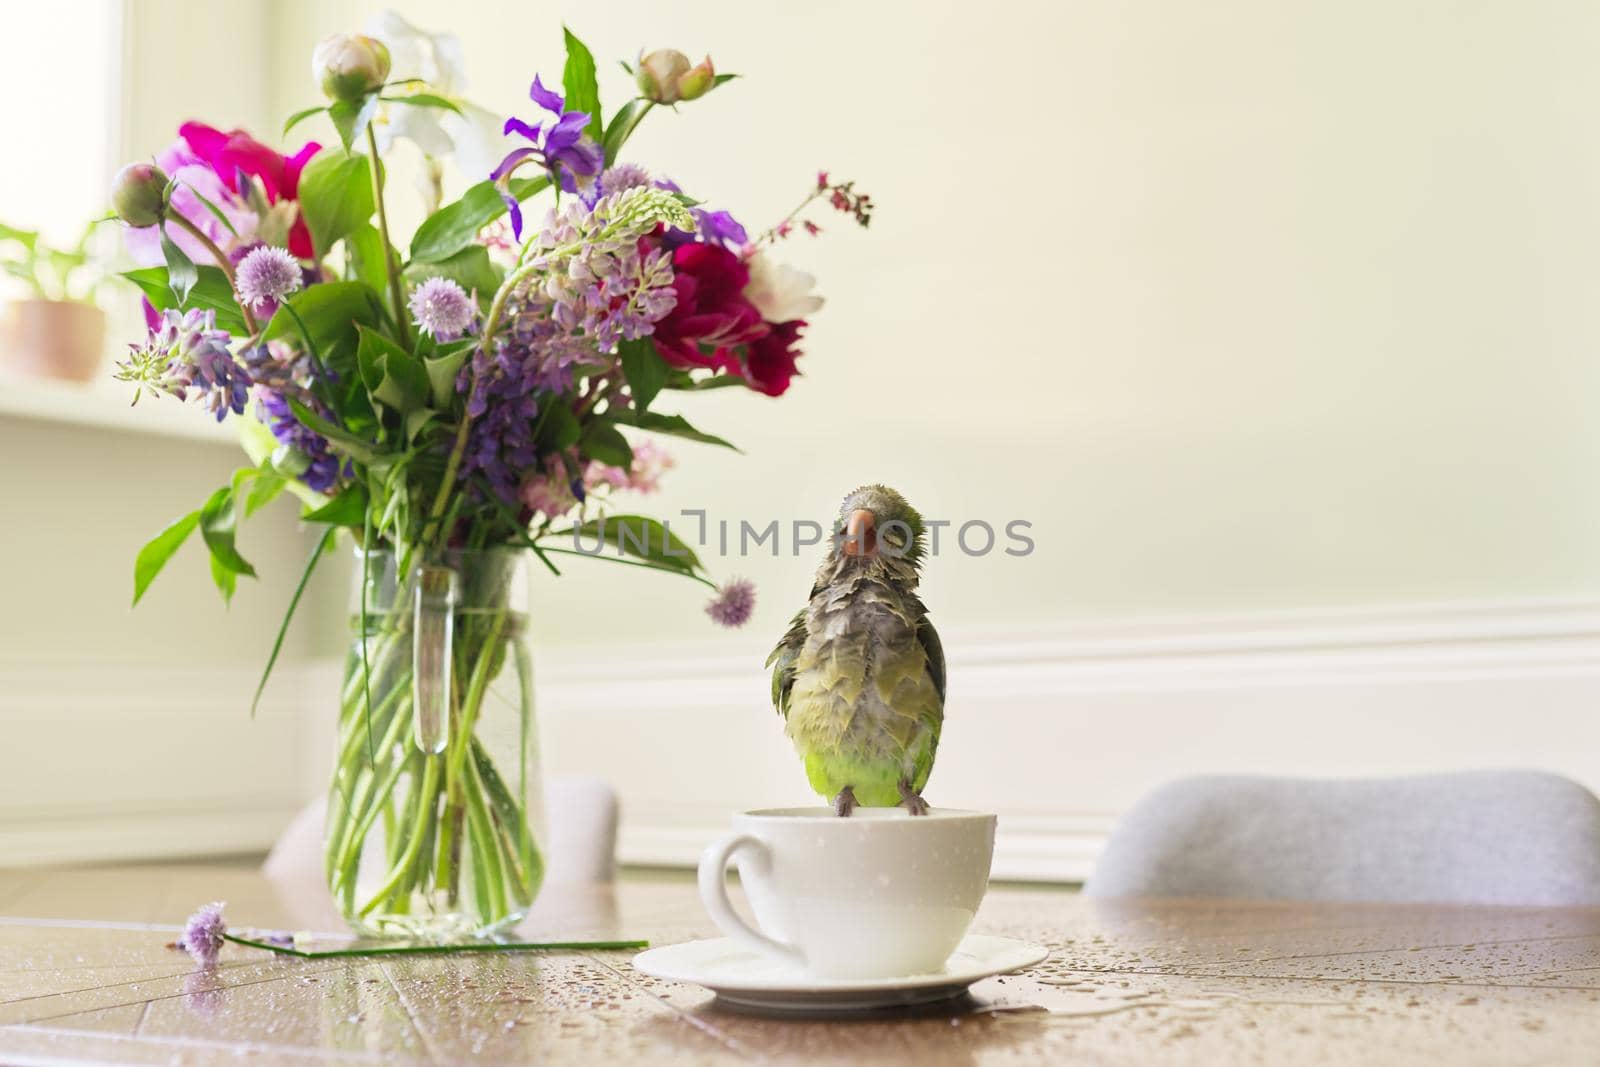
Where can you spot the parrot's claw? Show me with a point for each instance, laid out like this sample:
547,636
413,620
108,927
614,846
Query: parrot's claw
845,802
912,801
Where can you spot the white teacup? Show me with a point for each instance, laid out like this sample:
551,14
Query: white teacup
881,894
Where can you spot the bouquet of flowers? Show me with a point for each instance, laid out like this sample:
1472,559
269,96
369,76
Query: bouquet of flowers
484,391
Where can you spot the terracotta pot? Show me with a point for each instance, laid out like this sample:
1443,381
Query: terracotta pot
54,338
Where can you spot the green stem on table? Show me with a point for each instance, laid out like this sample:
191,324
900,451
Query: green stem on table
427,950
397,294
222,261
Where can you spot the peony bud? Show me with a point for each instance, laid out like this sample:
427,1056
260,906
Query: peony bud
139,194
697,80
658,75
348,66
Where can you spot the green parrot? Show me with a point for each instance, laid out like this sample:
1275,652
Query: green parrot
859,677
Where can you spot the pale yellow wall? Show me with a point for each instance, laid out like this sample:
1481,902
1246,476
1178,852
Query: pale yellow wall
1243,304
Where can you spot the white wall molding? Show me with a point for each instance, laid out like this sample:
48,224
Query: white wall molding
1058,727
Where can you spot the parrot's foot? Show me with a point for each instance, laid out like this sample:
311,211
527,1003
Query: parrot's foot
845,802
911,800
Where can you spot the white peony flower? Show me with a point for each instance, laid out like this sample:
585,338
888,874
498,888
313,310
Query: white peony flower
437,60
780,292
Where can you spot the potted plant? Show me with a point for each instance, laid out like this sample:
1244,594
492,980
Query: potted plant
56,331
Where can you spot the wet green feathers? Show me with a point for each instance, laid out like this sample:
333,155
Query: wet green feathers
859,677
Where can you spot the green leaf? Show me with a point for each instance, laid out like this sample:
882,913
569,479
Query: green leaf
350,117
300,116
558,427
424,100
357,448
213,208
335,197
640,536
456,225
226,581
391,374
331,312
256,487
349,508
363,248
210,292
470,268
672,425
623,123
644,369
264,490
324,543
182,274
444,367
722,79
219,520
579,82
603,441
160,548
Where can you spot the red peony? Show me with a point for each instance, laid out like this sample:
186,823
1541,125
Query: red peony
234,152
770,360
714,325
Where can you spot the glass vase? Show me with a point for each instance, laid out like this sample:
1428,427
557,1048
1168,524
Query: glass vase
434,827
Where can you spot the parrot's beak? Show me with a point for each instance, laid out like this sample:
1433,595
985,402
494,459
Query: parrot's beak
860,534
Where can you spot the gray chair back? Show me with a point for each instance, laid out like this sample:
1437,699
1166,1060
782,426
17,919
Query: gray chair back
1472,837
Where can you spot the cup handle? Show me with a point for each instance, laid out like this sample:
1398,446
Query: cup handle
714,895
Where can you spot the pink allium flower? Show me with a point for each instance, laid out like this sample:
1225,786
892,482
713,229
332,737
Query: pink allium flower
265,276
202,934
442,309
733,604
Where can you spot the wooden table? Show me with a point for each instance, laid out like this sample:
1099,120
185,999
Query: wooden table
85,977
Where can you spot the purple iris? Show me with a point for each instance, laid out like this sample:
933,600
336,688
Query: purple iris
561,147
711,227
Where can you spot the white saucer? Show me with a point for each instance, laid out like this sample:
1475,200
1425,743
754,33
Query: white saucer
746,978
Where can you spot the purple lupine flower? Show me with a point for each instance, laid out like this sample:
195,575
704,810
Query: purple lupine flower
323,470
733,604
279,367
561,147
265,276
202,934
442,309
186,355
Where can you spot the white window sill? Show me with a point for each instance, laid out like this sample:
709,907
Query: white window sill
105,404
